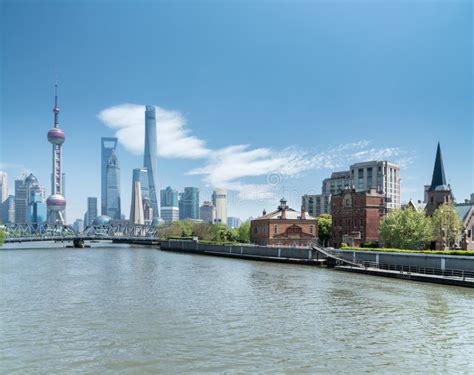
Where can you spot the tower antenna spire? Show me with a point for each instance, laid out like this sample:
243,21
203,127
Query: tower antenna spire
56,107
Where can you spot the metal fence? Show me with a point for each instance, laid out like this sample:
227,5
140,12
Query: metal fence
463,274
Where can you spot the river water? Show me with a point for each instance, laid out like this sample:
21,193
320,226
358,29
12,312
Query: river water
135,310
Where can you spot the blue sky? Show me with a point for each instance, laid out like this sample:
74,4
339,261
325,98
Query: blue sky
307,87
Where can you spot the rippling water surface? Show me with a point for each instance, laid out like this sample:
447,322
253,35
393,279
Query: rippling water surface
134,310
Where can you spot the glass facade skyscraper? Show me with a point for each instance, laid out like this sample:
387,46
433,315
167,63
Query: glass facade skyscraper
91,212
141,175
189,203
150,155
169,197
112,172
108,146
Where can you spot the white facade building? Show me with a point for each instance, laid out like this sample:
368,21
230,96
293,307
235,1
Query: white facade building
3,187
219,200
169,214
384,176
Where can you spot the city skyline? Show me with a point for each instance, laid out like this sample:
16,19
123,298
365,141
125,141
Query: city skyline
389,108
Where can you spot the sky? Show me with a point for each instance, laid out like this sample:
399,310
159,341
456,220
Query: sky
265,98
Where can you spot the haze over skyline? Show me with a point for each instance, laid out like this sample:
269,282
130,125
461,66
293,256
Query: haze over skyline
263,99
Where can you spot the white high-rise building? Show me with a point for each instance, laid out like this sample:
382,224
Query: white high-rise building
3,187
169,214
384,176
136,208
219,200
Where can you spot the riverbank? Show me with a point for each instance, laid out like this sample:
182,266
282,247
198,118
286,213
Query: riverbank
249,252
435,268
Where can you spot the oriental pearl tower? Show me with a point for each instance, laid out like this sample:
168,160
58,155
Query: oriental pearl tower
56,201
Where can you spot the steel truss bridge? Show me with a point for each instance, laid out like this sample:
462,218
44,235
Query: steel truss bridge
131,233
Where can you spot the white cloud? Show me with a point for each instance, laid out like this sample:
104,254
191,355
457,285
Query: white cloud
173,139
231,166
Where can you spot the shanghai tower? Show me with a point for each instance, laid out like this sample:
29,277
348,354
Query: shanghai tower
149,160
56,201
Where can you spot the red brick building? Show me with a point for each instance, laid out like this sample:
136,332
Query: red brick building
285,227
356,216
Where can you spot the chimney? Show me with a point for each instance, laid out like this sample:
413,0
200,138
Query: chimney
302,213
264,212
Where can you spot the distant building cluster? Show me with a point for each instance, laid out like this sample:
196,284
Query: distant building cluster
29,204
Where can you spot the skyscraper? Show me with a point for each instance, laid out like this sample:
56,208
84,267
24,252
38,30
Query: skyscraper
112,173
189,204
91,212
150,155
219,199
108,146
3,187
169,197
141,174
56,201
20,200
169,204
8,210
29,201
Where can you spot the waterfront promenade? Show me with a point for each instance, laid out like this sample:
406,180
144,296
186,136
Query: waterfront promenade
435,268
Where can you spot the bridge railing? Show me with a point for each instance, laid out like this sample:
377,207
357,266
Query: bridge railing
37,230
16,232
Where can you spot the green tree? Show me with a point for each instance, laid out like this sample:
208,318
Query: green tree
2,237
406,229
324,228
219,232
446,225
244,232
181,228
204,231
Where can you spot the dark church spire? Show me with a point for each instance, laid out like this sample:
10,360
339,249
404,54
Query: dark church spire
438,181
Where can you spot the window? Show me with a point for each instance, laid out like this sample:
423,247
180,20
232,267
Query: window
432,199
311,229
275,229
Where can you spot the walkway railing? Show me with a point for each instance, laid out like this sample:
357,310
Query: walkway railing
447,272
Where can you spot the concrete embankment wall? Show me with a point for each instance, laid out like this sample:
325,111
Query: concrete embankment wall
292,254
438,261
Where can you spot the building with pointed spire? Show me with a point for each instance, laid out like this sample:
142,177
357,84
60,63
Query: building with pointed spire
56,202
439,191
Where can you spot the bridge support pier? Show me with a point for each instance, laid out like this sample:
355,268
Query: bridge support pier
78,243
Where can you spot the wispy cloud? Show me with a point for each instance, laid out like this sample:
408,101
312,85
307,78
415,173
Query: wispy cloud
173,139
232,167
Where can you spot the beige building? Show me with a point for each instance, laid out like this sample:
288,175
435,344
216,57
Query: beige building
219,200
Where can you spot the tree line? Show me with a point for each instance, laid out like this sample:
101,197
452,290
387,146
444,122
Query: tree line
205,231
